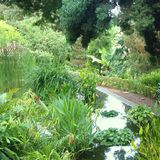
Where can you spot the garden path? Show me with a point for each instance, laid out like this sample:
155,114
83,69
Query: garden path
131,98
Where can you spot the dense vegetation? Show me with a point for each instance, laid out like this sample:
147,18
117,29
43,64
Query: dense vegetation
53,53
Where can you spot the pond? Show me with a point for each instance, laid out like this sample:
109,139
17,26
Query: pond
120,106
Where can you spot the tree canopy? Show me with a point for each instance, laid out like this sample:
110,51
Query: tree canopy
88,18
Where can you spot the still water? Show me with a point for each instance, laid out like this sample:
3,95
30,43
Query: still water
109,103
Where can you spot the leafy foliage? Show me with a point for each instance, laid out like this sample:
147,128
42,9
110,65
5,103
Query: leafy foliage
120,55
74,124
87,85
10,13
49,80
140,115
30,129
143,16
15,66
137,58
20,136
158,92
111,113
149,148
114,137
15,59
151,79
44,40
48,8
128,85
84,18
9,35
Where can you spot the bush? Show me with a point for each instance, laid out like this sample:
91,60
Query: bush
49,80
140,115
158,92
9,35
151,79
128,85
87,85
43,39
14,68
28,128
137,59
10,13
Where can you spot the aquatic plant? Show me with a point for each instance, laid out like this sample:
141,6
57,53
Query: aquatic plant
108,114
114,137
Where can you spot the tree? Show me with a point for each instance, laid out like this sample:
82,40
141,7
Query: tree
47,7
142,16
86,18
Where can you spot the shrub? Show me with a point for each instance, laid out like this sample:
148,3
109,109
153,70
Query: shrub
9,35
49,80
15,60
43,39
140,115
128,85
10,13
158,92
151,79
27,130
138,59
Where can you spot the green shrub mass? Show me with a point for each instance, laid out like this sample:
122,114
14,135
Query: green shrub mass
9,35
140,115
46,103
42,131
44,40
134,86
151,79
15,60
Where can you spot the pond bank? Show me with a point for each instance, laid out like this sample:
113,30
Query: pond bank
131,98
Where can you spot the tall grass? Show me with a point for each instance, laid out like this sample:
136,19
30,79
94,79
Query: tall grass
73,123
14,66
31,130
150,142
48,80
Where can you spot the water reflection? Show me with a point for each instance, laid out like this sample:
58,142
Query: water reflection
119,122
